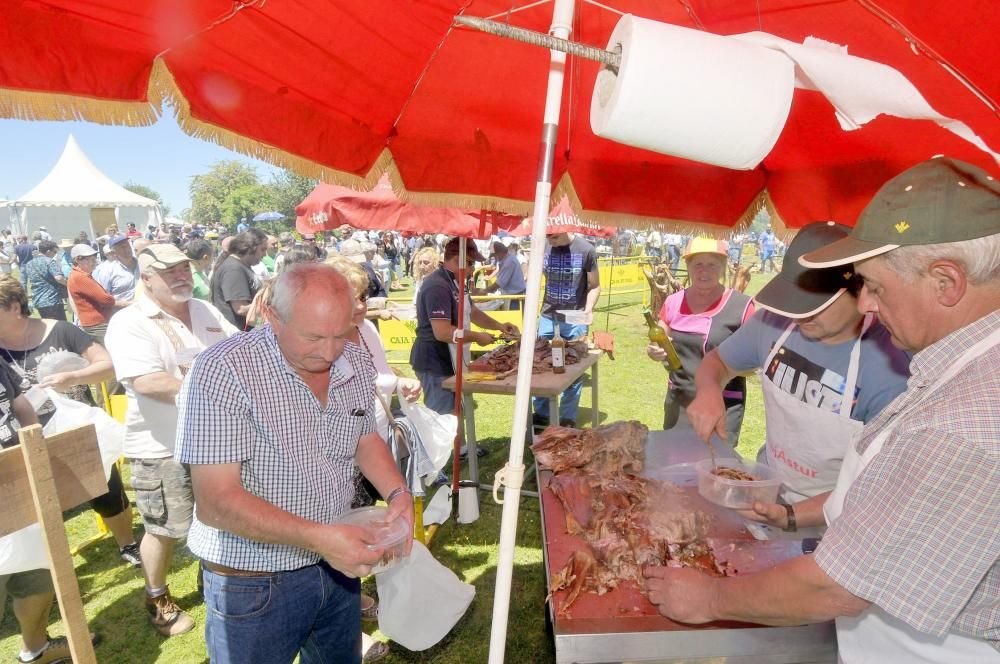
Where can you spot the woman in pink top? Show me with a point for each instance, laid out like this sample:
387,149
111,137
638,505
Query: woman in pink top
698,319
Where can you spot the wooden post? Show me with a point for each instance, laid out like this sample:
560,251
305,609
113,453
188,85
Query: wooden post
49,512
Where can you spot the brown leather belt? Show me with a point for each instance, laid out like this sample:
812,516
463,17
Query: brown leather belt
222,570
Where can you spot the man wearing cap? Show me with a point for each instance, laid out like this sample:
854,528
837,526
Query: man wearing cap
572,282
826,369
120,273
152,345
910,563
437,325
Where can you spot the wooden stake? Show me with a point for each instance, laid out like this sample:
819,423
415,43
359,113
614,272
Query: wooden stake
46,498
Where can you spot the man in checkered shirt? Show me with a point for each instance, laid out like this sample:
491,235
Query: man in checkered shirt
272,423
909,565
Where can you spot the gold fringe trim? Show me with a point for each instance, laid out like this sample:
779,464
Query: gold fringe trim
30,105
162,88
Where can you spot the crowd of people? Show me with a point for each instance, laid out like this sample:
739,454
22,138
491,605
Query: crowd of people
259,396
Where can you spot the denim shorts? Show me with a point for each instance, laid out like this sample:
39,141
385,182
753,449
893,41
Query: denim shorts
313,612
163,496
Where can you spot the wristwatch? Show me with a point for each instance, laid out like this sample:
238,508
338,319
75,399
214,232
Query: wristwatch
791,526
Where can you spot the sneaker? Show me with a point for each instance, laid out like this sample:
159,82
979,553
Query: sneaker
568,423
463,452
130,554
539,423
167,617
56,650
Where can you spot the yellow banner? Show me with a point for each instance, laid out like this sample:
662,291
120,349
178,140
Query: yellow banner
620,276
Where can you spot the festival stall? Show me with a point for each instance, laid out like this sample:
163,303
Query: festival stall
366,88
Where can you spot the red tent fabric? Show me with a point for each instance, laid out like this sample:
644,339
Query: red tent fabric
346,90
331,206
562,219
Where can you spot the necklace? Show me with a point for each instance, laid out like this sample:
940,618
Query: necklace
22,365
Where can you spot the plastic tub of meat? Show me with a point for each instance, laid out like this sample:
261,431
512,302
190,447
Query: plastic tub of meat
679,474
391,536
734,491
402,311
573,317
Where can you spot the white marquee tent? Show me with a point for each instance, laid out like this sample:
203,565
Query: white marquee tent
76,196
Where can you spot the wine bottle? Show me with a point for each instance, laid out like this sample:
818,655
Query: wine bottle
658,336
558,349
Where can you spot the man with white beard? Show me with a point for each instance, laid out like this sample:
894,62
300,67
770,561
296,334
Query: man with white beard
152,345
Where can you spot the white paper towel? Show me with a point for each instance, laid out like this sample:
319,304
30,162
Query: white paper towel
692,94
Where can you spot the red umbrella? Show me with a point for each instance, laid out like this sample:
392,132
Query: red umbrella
562,219
331,206
355,88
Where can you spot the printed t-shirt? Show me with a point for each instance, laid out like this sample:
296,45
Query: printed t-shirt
817,372
566,270
9,391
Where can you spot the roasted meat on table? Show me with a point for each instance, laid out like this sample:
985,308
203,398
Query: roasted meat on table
503,360
607,449
626,522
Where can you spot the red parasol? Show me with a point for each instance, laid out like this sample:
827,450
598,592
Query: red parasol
362,87
331,206
562,219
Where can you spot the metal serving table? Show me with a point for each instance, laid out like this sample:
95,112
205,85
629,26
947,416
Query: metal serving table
548,385
622,626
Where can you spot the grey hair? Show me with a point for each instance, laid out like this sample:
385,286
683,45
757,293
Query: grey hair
980,257
295,278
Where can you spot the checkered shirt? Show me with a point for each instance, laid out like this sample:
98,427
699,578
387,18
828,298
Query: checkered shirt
243,403
919,535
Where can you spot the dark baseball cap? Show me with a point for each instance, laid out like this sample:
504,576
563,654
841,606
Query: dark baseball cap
471,250
799,291
937,201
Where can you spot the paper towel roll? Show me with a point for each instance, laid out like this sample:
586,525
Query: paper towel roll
692,94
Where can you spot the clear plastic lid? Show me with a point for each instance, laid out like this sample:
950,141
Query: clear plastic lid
391,536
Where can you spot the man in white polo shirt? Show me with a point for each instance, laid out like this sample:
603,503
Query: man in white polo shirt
152,345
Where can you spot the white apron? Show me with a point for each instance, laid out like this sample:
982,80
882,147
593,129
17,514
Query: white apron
875,636
805,444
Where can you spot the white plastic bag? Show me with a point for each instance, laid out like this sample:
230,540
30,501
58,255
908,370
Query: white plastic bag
420,600
70,413
437,436
23,550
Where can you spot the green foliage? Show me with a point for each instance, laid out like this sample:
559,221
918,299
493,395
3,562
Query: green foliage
211,193
288,189
143,190
245,202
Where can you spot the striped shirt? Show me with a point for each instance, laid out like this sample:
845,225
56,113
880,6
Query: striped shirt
243,403
920,532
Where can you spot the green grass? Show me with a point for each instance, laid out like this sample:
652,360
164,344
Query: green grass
632,387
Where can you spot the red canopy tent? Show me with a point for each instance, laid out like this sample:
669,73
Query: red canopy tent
562,219
329,206
357,88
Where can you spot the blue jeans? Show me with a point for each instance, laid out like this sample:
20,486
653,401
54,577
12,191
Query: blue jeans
313,612
674,258
436,398
569,400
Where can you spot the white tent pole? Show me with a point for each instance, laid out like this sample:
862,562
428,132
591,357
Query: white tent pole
512,475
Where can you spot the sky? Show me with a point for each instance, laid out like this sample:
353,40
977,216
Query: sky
161,157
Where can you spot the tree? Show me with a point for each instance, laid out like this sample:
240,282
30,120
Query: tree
143,190
288,189
245,201
211,193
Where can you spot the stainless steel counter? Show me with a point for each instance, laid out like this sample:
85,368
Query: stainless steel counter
622,626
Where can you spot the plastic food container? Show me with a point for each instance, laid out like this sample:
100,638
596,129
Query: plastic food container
737,494
573,317
679,474
391,536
